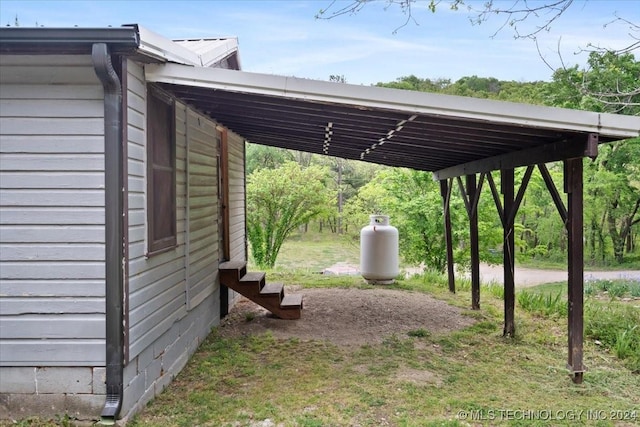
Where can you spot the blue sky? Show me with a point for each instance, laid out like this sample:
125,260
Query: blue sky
283,37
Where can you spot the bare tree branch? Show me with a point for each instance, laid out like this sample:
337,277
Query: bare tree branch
356,6
539,16
519,12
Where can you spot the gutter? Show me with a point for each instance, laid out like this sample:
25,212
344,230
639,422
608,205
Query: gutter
22,40
114,231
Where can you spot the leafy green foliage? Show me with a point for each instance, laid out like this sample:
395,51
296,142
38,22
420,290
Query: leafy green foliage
477,87
280,200
412,200
608,84
263,157
612,189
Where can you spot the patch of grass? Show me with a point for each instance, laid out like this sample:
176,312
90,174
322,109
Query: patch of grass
419,333
63,420
495,289
615,326
546,304
423,379
612,324
314,251
243,381
554,287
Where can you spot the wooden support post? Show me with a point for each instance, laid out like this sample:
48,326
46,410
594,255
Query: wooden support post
573,188
473,237
507,187
445,192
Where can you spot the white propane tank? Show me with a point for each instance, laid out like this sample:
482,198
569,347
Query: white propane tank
379,251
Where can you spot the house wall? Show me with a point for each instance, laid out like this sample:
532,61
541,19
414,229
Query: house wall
173,296
237,230
52,243
52,307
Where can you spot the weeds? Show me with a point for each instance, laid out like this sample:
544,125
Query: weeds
615,326
612,324
419,333
617,288
547,304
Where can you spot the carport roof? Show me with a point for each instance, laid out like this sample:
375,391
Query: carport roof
448,135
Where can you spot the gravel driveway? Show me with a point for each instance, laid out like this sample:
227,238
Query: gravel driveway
526,277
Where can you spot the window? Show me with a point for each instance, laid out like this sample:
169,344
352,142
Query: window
161,171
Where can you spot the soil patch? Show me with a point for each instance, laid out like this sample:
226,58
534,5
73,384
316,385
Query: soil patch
349,317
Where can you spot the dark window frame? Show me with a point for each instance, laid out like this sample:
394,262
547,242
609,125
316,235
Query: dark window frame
161,172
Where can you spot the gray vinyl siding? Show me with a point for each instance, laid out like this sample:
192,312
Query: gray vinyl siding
157,283
164,288
237,241
173,296
51,212
202,211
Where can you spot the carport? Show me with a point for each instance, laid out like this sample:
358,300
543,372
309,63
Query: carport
459,139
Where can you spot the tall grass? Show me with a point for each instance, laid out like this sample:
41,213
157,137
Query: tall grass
612,324
547,304
615,326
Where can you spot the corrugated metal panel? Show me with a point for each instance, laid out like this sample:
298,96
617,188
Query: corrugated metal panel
424,131
52,214
212,51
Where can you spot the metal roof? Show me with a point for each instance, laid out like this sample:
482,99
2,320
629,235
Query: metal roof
423,131
213,51
132,40
449,135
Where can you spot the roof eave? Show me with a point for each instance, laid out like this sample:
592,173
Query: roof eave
609,126
22,40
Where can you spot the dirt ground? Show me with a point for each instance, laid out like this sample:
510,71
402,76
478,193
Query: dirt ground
353,317
349,317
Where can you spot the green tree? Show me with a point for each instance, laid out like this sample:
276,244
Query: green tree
613,187
261,156
612,190
412,82
412,199
280,200
477,87
610,83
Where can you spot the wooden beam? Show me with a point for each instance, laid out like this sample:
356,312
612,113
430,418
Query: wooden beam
507,187
555,195
472,191
523,187
476,199
465,196
574,189
496,196
585,146
445,192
